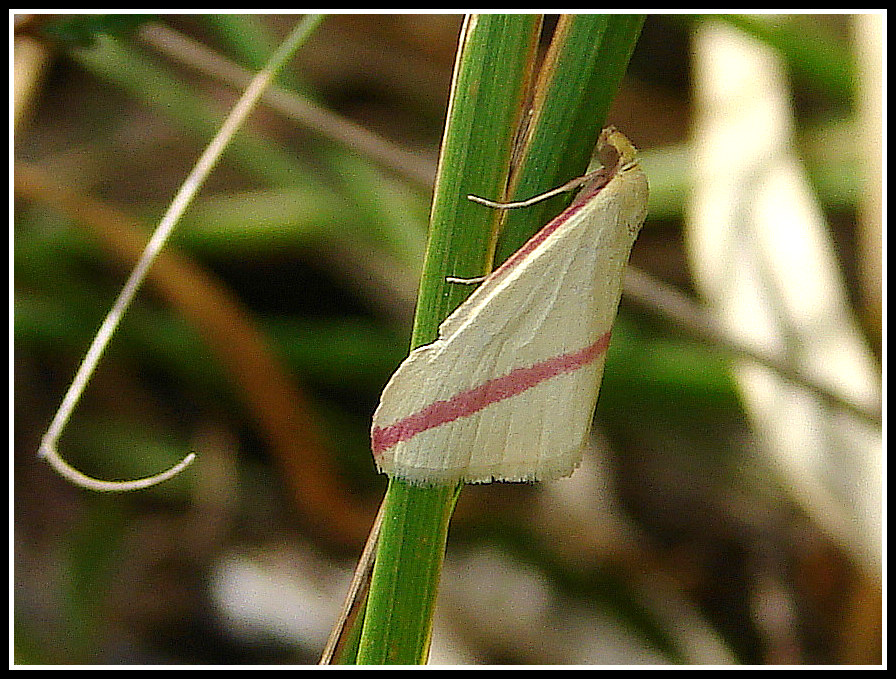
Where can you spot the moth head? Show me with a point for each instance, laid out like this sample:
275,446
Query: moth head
614,149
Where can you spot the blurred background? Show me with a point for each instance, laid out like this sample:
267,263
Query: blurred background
702,527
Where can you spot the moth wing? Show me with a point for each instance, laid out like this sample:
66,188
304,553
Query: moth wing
508,390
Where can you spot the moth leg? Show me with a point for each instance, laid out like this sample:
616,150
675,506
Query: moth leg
465,281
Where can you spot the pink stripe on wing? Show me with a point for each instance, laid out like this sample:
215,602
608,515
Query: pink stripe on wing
473,400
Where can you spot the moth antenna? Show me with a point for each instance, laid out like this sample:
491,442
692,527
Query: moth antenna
571,185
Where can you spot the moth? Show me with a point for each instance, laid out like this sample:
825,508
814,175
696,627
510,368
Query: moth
507,392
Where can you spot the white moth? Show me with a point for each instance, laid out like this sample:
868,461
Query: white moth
507,392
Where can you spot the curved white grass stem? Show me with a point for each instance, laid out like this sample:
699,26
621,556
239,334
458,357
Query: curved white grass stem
182,199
